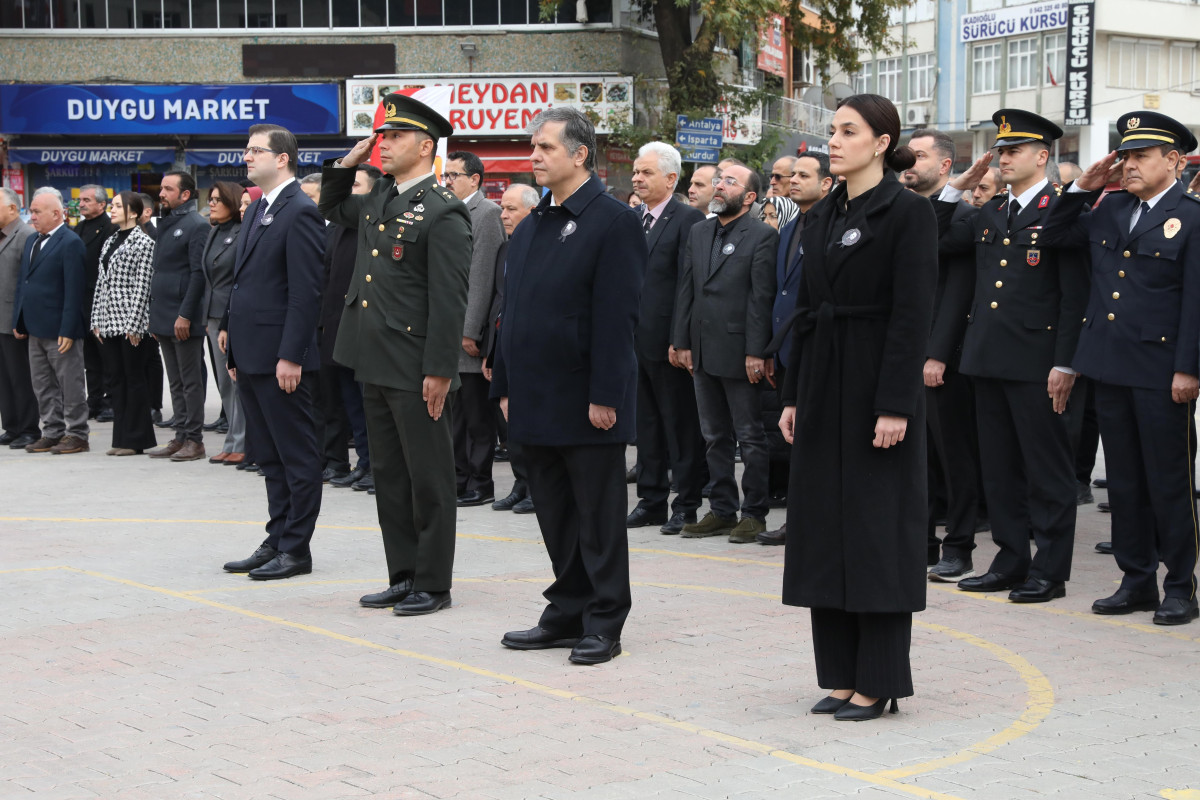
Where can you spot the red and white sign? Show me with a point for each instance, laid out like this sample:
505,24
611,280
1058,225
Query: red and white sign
770,46
15,179
488,106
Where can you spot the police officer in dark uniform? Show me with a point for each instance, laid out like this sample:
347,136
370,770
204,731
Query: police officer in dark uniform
401,333
1024,313
1141,347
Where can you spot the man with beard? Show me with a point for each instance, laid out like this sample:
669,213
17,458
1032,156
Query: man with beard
721,329
950,420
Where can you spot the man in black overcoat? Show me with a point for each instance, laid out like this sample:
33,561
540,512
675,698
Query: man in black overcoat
566,375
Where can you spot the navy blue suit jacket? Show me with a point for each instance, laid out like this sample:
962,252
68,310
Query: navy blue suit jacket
787,285
49,299
277,281
573,284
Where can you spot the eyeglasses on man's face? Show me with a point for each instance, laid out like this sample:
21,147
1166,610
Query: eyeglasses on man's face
254,150
775,176
728,180
452,176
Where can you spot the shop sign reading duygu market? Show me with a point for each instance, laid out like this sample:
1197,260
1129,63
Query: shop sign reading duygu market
487,106
1013,21
303,108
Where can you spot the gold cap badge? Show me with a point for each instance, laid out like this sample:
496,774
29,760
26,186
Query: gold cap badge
1005,128
1132,123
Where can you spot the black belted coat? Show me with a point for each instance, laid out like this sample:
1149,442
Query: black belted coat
856,516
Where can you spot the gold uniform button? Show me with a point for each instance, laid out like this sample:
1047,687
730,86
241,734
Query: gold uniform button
382,226
1033,235
364,303
1004,262
1116,295
368,279
1156,254
410,328
999,284
375,253
1164,338
1085,319
1006,241
995,304
368,217
1049,327
1127,254
1111,317
1121,273
1104,241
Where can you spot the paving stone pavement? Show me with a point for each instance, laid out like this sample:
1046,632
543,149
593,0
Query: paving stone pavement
136,668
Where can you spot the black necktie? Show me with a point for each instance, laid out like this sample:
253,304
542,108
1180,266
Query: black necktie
259,214
716,248
37,247
1144,210
794,244
1014,208
647,222
392,194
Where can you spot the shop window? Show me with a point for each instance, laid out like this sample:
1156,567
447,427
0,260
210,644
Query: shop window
485,12
429,12
373,13
232,13
345,15
287,13
204,15
259,14
457,13
517,12
316,13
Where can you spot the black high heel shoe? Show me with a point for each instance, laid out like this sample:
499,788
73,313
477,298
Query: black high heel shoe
829,705
856,713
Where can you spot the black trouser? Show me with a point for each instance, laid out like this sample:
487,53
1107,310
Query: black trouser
412,457
184,361
18,404
731,413
954,453
1087,439
474,435
154,375
94,374
281,434
1149,459
125,377
333,422
1028,478
582,501
864,652
668,438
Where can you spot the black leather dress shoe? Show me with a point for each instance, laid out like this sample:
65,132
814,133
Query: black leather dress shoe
106,415
1038,590
539,639
389,596
7,438
855,713
1104,547
261,556
1100,483
365,484
1123,601
22,441
1104,508
595,649
524,507
474,498
515,496
641,517
247,466
1176,611
211,427
282,566
829,705
989,582
166,423
418,603
329,473
675,524
774,538
346,480
631,475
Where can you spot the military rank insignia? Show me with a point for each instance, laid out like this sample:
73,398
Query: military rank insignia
1172,227
397,252
1033,257
1044,202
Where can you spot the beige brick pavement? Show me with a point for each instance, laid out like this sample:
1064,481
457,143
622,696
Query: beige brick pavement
135,668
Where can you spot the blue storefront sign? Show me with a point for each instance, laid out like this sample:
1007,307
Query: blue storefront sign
302,108
91,155
225,157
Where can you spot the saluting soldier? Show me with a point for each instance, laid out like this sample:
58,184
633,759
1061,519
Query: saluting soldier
1023,325
401,333
1141,346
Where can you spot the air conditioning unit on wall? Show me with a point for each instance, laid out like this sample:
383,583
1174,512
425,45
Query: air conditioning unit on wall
917,115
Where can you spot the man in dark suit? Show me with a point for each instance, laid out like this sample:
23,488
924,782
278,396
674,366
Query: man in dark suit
518,200
1139,346
474,425
810,181
18,405
94,228
272,349
566,374
668,425
401,333
341,395
48,311
177,320
1022,328
722,327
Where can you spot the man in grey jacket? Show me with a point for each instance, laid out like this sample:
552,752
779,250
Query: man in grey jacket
472,417
18,406
177,319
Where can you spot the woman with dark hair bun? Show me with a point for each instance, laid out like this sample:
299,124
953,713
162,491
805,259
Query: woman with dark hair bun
855,413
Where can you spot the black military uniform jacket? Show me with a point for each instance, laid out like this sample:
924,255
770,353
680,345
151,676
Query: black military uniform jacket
407,299
1143,317
1025,309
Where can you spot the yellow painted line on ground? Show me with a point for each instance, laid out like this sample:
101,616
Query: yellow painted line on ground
1181,794
30,569
541,688
727,559
252,585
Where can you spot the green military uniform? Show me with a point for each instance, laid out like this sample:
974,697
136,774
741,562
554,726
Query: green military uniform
403,320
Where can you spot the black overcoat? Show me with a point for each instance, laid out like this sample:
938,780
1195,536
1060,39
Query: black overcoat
857,514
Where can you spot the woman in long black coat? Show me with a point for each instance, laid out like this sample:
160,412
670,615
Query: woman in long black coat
854,402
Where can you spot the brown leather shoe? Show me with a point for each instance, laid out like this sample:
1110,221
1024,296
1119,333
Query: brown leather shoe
42,445
191,451
218,458
233,459
167,450
70,444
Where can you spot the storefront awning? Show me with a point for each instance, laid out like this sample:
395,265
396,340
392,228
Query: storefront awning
232,157
499,157
92,155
